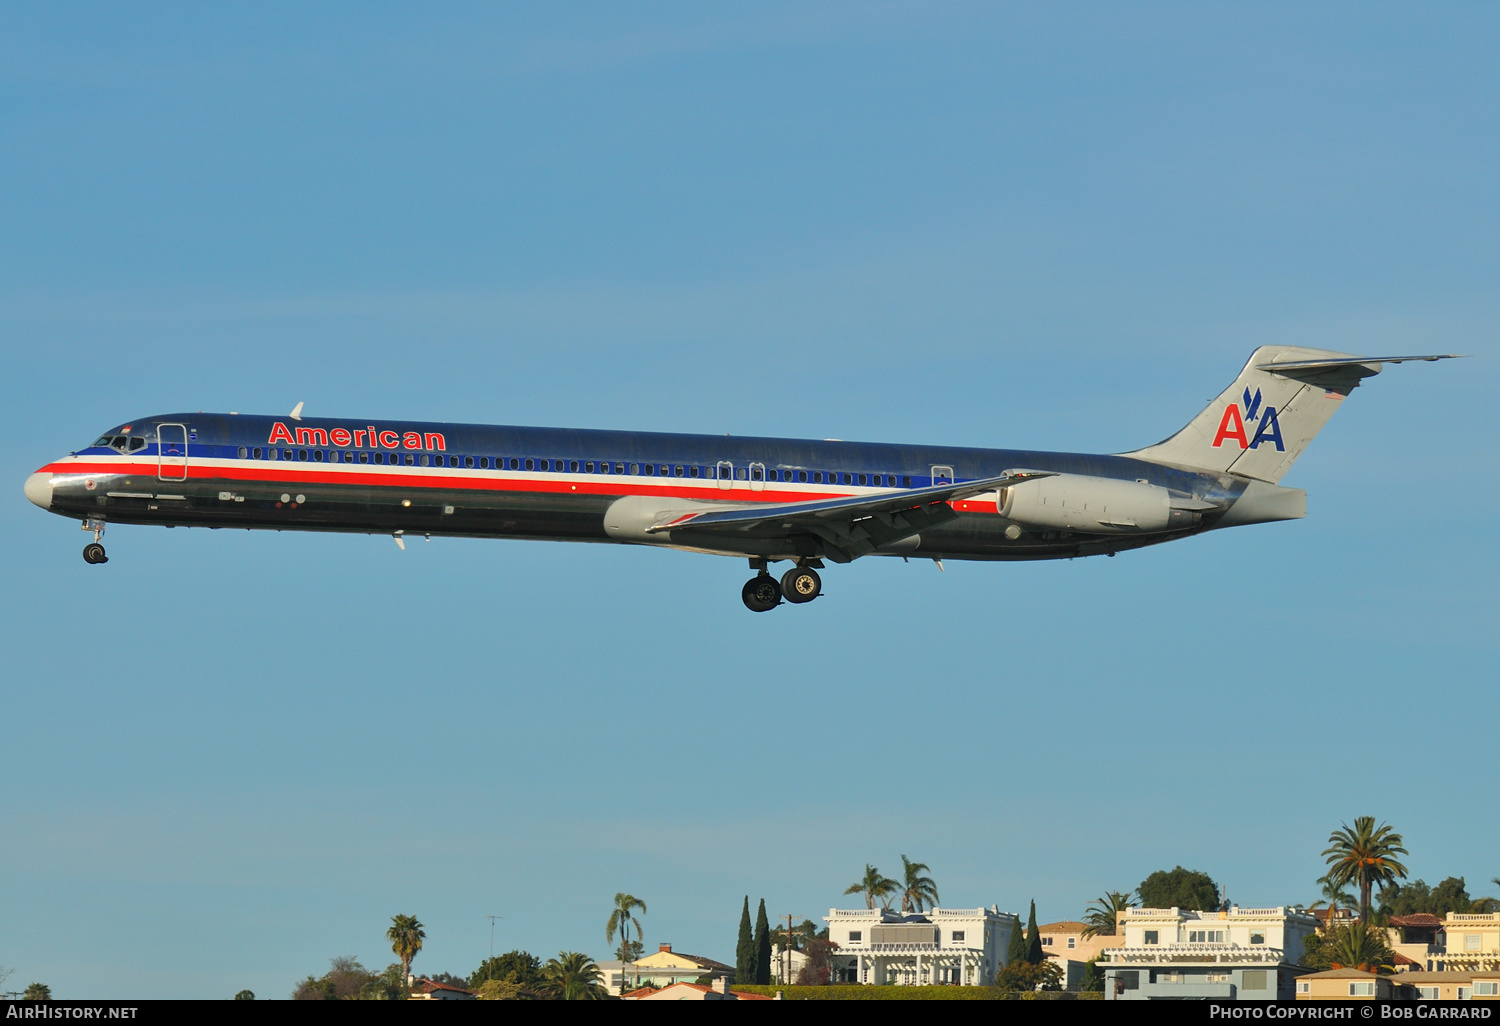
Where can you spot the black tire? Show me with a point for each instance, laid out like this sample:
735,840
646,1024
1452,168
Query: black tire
93,552
761,594
801,584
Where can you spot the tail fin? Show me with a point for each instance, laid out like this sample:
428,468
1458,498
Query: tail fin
1260,424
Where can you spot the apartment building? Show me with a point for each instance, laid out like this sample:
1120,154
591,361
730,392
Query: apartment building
1242,953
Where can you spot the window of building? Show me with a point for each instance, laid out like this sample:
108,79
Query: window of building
1427,993
1072,942
1205,936
1487,988
1171,976
958,936
1216,977
1304,988
855,936
1149,937
1046,942
1471,942
1362,989
1465,993
1129,980
1257,938
1253,979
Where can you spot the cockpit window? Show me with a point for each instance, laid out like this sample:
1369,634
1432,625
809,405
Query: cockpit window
137,443
119,442
103,441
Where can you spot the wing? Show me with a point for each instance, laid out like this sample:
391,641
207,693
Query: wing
849,528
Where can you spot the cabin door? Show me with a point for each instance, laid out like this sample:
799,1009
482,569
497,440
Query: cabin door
171,452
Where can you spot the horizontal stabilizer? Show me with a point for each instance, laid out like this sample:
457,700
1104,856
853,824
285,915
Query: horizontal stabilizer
1351,361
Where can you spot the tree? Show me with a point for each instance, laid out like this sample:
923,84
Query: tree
919,890
245,995
573,976
1026,976
1015,950
817,969
345,980
874,887
744,948
519,968
1334,897
37,992
1033,938
622,921
1179,888
406,936
1093,976
1103,916
1364,855
762,946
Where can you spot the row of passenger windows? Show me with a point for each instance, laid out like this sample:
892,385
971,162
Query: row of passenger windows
722,471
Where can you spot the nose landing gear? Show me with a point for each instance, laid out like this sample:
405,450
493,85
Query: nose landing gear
93,552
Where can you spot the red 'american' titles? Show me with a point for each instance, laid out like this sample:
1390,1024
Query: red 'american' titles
432,440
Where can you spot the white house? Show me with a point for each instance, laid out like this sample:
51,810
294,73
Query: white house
961,946
1245,953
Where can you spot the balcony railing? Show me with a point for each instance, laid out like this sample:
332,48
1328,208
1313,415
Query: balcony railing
1194,953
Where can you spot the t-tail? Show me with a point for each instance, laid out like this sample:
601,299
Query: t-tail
1260,424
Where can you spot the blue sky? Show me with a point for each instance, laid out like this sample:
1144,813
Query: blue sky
230,757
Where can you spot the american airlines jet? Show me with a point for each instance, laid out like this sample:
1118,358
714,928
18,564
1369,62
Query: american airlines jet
767,500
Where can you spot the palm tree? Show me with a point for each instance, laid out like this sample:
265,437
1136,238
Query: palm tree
1334,898
573,976
920,890
1366,856
874,887
405,936
1359,946
1103,916
621,920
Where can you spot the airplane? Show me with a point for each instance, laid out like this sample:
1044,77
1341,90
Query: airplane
768,500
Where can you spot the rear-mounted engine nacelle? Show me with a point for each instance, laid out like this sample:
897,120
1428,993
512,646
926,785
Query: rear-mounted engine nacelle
1093,505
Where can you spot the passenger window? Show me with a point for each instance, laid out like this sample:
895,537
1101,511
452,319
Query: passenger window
817,477
588,467
573,466
469,461
677,471
619,468
317,455
484,463
348,457
288,455
802,475
422,459
739,473
755,474
530,465
364,457
906,482
650,469
273,454
302,455
244,452
692,471
848,479
410,460
861,479
635,468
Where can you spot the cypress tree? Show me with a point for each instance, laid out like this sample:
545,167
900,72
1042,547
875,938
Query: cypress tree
762,946
744,951
1033,938
1016,950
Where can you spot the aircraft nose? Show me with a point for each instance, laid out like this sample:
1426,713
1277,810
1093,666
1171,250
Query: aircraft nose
39,490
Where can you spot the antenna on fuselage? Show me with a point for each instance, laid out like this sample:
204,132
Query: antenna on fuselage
296,413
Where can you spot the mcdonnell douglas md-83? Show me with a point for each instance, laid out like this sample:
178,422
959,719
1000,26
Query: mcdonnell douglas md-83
765,499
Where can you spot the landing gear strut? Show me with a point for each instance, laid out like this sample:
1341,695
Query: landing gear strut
93,552
761,593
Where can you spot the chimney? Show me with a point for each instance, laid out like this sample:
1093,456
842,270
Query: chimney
664,947
721,984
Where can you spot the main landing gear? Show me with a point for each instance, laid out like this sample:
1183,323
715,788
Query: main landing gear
762,593
93,552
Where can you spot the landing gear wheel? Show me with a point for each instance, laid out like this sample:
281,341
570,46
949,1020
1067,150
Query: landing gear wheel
93,552
801,584
761,594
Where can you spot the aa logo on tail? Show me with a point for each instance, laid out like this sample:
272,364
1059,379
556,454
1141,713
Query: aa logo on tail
1232,424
